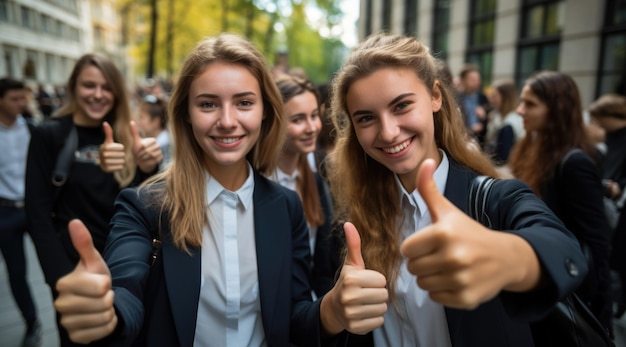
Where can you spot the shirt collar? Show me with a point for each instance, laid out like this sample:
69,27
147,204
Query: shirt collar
244,194
282,177
19,123
441,178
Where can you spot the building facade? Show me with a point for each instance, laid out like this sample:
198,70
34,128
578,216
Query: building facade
40,40
511,39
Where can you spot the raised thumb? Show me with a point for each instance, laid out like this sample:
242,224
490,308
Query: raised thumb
108,132
437,204
135,132
353,244
89,255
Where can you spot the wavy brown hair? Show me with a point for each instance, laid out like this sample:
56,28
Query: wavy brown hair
364,190
183,195
508,96
535,158
119,117
289,87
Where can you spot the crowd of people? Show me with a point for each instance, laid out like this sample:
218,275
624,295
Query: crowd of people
250,207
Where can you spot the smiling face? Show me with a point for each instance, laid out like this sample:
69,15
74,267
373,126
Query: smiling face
392,114
226,111
303,125
94,97
533,110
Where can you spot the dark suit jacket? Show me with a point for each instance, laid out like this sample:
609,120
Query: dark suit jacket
163,299
503,321
327,256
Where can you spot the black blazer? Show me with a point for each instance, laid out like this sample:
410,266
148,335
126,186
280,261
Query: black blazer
159,304
503,321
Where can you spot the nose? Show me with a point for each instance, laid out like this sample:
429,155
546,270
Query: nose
311,125
520,109
227,118
389,129
98,92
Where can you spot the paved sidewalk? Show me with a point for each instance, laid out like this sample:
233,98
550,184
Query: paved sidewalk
12,326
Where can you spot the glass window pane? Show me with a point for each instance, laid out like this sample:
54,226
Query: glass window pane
617,14
550,57
534,22
554,21
483,33
614,53
484,7
527,61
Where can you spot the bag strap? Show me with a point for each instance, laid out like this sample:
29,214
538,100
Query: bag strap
65,159
478,199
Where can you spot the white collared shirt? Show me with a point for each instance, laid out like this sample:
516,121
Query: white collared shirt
15,140
229,308
414,319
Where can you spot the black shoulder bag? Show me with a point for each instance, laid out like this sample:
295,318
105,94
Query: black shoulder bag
570,323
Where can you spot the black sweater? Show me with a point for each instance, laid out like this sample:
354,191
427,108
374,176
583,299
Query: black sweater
88,195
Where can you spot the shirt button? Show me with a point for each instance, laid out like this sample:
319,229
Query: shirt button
571,268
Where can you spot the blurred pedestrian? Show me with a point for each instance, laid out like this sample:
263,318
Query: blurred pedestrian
15,136
558,161
152,122
303,122
504,126
108,155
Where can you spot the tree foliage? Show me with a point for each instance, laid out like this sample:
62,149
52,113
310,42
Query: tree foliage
272,25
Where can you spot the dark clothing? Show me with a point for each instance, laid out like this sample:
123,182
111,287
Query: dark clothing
12,230
88,195
505,140
614,161
163,299
327,255
504,320
575,194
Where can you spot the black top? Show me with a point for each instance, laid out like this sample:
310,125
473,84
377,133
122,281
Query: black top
88,195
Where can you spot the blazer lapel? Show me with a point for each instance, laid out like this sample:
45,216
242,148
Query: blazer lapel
182,278
272,236
457,188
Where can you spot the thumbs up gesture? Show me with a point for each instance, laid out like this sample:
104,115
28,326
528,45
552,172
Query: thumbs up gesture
85,299
358,300
147,151
460,262
112,156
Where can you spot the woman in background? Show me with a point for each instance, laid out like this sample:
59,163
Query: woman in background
558,161
505,127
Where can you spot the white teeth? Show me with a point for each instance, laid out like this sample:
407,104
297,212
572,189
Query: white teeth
397,148
227,140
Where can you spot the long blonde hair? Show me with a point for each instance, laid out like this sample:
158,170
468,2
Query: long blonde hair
183,196
365,190
119,117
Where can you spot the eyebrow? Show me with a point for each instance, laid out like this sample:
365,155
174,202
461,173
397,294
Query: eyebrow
215,96
395,100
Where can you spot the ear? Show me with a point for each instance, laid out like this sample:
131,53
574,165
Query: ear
437,97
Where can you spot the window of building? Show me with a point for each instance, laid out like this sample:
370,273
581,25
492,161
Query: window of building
386,26
368,18
612,71
29,69
410,17
540,40
27,17
441,29
482,17
4,10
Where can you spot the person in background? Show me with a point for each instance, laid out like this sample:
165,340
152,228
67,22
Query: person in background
473,103
45,101
609,113
302,112
234,264
152,122
109,155
15,136
557,160
418,270
504,127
